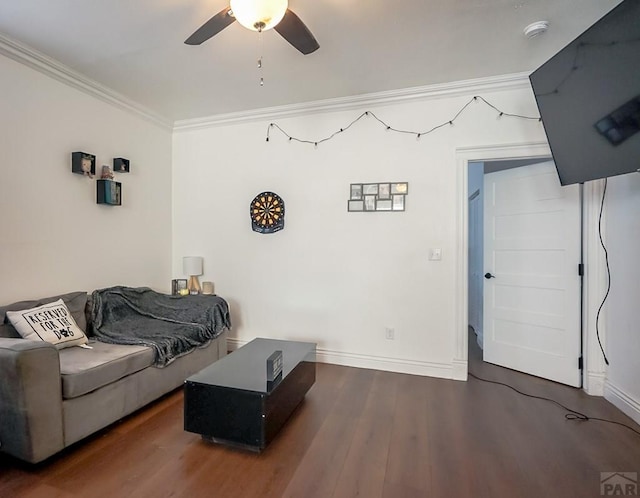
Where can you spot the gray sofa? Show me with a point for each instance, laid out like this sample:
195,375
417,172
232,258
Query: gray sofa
50,398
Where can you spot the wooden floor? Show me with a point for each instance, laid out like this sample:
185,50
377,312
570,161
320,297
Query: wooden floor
358,433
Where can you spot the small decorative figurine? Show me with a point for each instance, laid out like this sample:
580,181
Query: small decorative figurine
86,166
107,173
83,164
120,165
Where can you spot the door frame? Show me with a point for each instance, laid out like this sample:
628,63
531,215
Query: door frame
594,280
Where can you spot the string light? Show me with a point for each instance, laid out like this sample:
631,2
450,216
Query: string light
417,134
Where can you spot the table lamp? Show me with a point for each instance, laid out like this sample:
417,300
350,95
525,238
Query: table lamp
192,266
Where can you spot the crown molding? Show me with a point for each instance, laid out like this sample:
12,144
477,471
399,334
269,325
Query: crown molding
54,69
494,83
58,71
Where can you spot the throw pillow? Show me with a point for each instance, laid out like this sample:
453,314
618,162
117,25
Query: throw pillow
50,322
75,302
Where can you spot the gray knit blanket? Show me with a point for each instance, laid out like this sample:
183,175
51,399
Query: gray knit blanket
172,325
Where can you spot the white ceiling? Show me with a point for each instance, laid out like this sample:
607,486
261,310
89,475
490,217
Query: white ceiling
136,48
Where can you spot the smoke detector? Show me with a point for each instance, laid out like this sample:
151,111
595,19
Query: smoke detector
536,28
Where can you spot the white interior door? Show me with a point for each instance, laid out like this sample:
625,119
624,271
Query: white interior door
531,285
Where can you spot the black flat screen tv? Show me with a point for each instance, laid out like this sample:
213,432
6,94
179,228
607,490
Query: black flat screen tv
588,95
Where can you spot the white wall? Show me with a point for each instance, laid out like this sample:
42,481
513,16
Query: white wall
334,277
622,308
55,238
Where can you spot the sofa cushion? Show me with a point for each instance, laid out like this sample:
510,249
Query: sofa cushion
75,301
85,370
51,322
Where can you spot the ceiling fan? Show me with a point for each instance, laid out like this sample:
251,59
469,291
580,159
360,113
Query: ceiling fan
259,15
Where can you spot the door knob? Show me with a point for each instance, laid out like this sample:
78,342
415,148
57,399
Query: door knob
488,276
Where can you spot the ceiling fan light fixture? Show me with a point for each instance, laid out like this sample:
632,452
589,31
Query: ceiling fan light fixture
259,15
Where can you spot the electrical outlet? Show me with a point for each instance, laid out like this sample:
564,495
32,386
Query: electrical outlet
389,333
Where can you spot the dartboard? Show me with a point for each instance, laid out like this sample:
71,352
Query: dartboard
267,213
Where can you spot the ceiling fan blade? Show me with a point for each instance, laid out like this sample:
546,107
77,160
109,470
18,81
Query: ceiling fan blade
292,29
212,27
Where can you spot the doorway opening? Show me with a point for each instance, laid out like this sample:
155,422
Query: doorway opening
475,188
539,289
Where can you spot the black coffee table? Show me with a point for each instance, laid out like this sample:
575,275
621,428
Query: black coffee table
232,402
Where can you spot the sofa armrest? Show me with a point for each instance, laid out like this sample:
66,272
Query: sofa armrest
31,425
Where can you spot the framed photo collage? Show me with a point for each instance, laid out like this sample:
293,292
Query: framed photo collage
375,197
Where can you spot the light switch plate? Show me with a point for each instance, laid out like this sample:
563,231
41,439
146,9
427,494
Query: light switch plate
435,254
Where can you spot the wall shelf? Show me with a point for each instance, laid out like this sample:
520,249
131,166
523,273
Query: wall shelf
109,192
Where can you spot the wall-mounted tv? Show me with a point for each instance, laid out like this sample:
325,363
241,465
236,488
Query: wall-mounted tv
588,95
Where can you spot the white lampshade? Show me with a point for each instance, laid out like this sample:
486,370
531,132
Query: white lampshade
259,15
192,265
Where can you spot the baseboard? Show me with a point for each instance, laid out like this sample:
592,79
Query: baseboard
460,370
623,401
414,367
594,385
233,344
456,370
